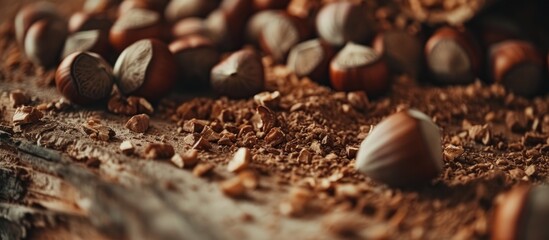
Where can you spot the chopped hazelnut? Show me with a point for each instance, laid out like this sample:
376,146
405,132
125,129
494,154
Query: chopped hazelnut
233,187
187,159
18,98
127,147
159,151
202,169
240,161
26,114
138,123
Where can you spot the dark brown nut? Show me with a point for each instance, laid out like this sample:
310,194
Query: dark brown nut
189,26
25,115
270,4
358,67
241,75
82,21
401,50
195,57
134,25
341,22
404,150
138,123
181,9
159,151
453,56
44,42
522,213
312,59
280,35
258,22
32,13
146,69
518,66
95,41
84,78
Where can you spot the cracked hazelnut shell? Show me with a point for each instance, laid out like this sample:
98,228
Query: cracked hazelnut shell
241,75
403,150
146,69
134,25
84,78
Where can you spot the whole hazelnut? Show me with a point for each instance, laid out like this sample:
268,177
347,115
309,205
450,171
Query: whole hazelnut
82,21
224,34
522,213
241,75
280,35
44,42
453,56
260,5
195,57
358,67
181,9
402,51
312,59
30,14
84,78
258,22
518,66
146,69
403,150
95,41
189,26
341,22
134,25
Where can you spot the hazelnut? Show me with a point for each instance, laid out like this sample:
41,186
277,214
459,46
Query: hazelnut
30,14
358,67
280,34
181,9
94,41
195,57
241,75
258,22
84,78
226,35
134,25
145,69
100,6
44,42
82,21
189,26
404,150
312,59
238,11
270,4
453,56
493,29
138,123
518,66
402,51
342,22
522,213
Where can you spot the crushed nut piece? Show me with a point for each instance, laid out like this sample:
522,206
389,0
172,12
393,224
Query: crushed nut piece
194,125
268,99
358,100
159,151
233,187
202,169
297,202
26,115
19,98
97,131
268,119
240,160
202,144
127,147
351,152
305,156
138,123
249,179
275,137
210,135
452,152
130,106
187,159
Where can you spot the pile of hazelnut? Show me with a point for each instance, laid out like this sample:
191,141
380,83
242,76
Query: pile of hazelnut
156,45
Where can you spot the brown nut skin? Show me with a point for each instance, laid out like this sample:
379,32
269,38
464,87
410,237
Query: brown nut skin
195,57
82,21
44,42
146,69
260,5
402,51
280,35
84,78
341,22
182,9
518,66
447,48
312,59
134,25
369,73
189,26
30,14
241,75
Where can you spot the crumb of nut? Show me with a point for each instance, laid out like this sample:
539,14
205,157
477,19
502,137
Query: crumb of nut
159,151
194,125
127,147
143,106
275,137
26,114
297,202
97,131
249,179
240,160
138,123
202,169
268,99
18,98
202,144
347,191
187,159
233,187
210,134
358,100
130,106
351,152
267,117
304,156
452,152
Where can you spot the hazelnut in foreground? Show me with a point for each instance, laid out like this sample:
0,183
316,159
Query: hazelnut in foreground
402,51
195,57
404,150
44,42
241,75
146,69
518,66
453,56
311,59
522,213
134,25
341,22
84,78
358,67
